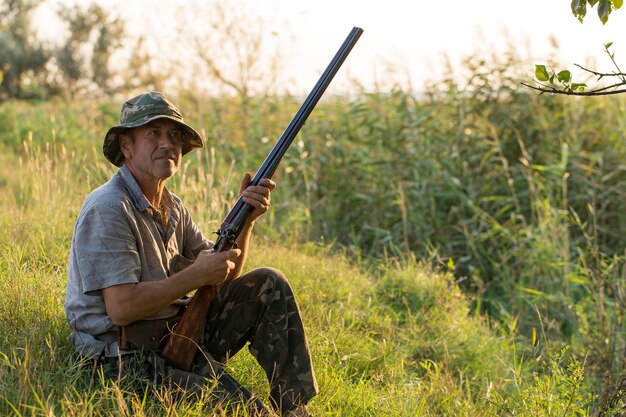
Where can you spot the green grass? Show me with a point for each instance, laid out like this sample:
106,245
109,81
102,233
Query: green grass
458,255
401,343
393,339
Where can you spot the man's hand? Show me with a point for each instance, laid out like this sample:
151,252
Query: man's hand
257,196
215,267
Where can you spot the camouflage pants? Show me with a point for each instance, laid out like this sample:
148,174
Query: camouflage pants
257,309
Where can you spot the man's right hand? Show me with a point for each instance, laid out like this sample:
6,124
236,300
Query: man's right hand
214,267
126,303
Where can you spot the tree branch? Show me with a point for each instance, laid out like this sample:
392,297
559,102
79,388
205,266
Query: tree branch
598,92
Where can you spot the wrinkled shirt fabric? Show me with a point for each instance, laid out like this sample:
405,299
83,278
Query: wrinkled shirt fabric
120,238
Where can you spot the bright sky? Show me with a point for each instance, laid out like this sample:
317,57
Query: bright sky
413,36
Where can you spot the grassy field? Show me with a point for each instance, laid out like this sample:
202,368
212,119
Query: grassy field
394,342
450,258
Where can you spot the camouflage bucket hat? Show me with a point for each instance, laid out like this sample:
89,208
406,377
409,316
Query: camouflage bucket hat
141,110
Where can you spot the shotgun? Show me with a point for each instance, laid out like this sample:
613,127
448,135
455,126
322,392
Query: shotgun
183,341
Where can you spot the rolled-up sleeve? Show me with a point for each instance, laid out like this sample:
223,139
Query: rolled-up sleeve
106,249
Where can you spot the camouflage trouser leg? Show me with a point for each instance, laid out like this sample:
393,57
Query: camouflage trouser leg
259,308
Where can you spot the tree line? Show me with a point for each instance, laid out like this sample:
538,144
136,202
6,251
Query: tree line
77,62
225,47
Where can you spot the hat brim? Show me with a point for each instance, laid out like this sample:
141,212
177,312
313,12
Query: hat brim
111,145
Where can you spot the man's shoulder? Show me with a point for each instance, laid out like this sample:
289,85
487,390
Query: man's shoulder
111,194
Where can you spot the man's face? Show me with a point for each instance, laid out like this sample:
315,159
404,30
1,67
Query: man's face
153,151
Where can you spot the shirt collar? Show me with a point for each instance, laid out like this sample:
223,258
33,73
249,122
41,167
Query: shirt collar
141,202
139,199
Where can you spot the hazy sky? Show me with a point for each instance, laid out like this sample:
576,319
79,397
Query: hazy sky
416,34
411,37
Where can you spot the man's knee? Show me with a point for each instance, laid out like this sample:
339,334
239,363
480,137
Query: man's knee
271,281
272,274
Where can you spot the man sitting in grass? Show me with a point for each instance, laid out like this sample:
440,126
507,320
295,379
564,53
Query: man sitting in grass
136,253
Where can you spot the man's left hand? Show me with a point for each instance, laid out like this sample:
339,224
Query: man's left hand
258,196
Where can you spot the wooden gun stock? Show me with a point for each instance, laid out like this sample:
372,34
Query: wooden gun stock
183,342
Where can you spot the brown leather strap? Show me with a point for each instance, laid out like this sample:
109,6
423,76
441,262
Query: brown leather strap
146,334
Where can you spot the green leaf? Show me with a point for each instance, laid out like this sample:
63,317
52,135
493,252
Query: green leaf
578,279
532,291
564,76
579,9
618,3
541,73
608,45
450,264
579,87
604,8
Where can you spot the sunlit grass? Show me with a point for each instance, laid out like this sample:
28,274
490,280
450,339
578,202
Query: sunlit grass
375,351
385,181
